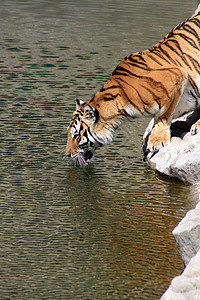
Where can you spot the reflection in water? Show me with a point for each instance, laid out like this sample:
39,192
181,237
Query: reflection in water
67,233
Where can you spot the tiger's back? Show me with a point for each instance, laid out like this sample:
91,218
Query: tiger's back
153,71
163,81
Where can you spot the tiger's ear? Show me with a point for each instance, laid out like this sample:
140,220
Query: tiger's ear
91,115
79,103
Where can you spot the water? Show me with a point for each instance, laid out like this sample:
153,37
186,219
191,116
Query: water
69,233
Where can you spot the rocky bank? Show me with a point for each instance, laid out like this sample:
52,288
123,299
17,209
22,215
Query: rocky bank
181,157
187,236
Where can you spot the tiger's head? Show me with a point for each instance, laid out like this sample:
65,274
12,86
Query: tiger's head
94,123
82,138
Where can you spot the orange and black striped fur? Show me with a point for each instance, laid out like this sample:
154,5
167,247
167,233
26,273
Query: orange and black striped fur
163,81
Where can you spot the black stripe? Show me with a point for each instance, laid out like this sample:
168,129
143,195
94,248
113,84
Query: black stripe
193,84
84,145
139,64
122,111
181,55
196,21
94,137
132,103
96,114
165,53
158,53
191,30
155,98
92,99
154,58
108,88
194,63
179,26
136,61
122,71
184,59
131,57
171,42
188,40
170,34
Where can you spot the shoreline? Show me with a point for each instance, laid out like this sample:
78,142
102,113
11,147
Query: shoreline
187,236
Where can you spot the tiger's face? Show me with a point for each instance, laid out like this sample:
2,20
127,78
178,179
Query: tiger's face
82,140
94,123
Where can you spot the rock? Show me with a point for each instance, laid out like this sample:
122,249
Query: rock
181,157
187,234
187,285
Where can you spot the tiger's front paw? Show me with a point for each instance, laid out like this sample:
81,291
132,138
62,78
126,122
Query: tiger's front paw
195,128
159,137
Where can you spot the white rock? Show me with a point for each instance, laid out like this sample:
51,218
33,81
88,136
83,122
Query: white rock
179,159
187,285
187,235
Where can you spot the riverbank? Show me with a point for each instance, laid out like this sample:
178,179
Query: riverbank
187,236
180,159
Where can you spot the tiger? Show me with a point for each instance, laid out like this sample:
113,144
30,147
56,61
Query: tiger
162,82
